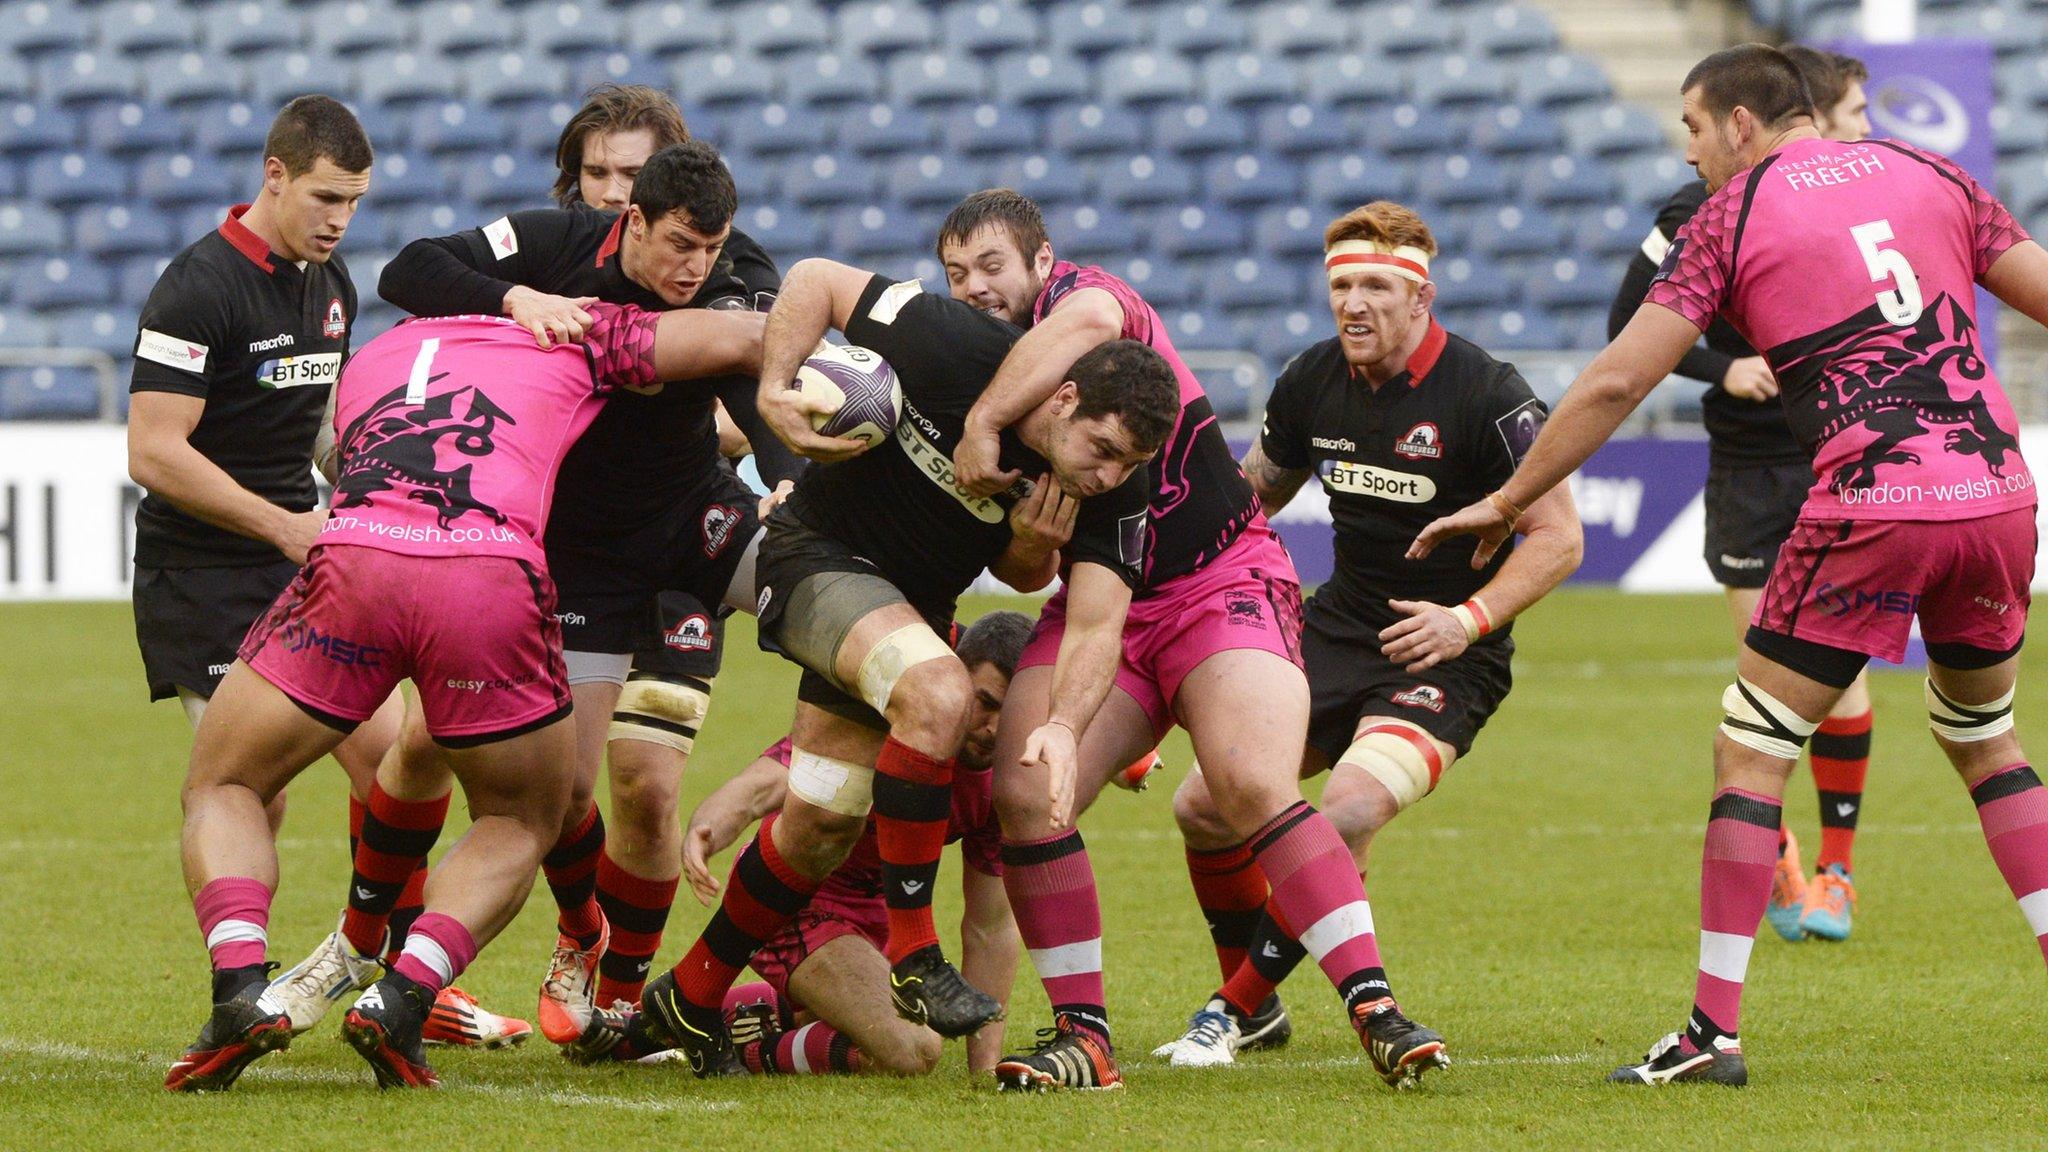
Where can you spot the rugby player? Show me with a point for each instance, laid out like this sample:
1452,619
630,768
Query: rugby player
648,530
1756,481
1211,641
1852,266
1403,422
824,998
858,579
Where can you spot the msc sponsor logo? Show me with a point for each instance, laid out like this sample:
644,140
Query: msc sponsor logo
299,636
1421,696
1243,609
692,634
495,684
1837,601
297,371
1422,442
1385,483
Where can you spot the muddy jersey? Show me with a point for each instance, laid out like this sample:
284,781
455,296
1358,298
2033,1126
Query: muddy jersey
1200,499
1853,268
897,503
452,429
1441,434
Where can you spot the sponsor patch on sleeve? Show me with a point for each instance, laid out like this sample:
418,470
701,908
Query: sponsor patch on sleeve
504,241
171,351
892,300
1519,427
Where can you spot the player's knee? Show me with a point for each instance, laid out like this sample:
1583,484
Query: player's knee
816,840
930,704
1955,722
842,788
1201,825
908,1050
1763,723
658,719
1397,764
644,807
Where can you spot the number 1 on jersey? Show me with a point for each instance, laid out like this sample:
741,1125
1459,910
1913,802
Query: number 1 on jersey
1902,304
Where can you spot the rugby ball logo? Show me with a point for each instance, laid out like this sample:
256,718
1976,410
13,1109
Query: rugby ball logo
859,395
1423,442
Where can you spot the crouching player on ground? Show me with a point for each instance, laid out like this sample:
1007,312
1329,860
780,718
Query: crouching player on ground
825,995
429,567
1406,659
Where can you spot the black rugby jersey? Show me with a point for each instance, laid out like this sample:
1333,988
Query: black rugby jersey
1431,440
648,451
896,504
262,341
1739,432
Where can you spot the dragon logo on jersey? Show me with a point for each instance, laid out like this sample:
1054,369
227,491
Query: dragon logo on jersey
1242,608
396,447
1423,442
1422,696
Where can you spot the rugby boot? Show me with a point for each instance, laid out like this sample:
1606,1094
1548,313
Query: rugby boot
239,1030
929,991
1401,1049
458,1021
1269,1027
621,1032
569,995
1137,775
1672,1061
668,1021
1066,1057
306,990
749,1022
1788,893
1830,902
1212,1039
384,1027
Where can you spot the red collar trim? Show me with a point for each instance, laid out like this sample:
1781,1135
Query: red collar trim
610,246
1430,351
246,242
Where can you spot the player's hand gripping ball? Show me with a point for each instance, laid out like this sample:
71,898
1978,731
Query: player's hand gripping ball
858,394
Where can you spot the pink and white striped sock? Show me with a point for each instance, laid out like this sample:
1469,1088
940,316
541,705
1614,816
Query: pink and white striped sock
1736,862
1315,883
234,916
436,951
1052,892
2013,808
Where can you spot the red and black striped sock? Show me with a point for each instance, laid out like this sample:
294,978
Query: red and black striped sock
393,845
913,806
1840,752
1232,894
571,869
637,909
411,903
762,896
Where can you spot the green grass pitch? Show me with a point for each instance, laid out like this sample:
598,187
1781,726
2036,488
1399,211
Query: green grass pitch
1539,911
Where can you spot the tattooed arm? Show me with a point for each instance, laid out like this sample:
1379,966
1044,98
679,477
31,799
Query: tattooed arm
1274,484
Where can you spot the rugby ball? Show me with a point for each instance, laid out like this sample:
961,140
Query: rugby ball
861,398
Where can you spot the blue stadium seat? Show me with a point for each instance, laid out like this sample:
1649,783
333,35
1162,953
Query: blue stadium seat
2023,85
133,29
1090,27
110,231
827,178
387,127
1191,230
1160,283
29,228
22,329
236,128
38,27
345,27
989,129
871,233
1512,130
1409,31
1615,130
48,392
1197,330
1282,336
780,228
829,78
1145,77
400,77
27,128
108,330
1510,30
883,129
504,181
422,220
129,128
1463,178
1569,180
2019,134
991,26
1412,129
1613,233
181,178
406,178
1466,282
513,77
65,179
1351,79
1041,78
83,77
718,77
884,26
620,66
1200,129
1251,179
776,130
937,77
668,27
179,78
756,178
782,27
293,74
1512,329
1289,232
456,126
1086,233
192,223
1049,180
2013,34
2026,188
462,28
571,29
1563,78
1341,183
63,282
251,27
1249,78
537,121
1236,391
1145,179
1512,231
1195,29
16,81
1650,180
935,180
1305,130
1566,283
370,228
1095,130
1246,282
1455,79
1299,29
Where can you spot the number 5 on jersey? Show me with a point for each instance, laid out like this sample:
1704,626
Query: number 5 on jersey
1901,305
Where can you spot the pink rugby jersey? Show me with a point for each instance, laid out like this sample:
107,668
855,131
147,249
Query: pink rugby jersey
452,429
1852,267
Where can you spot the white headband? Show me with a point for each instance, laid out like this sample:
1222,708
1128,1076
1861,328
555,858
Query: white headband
1346,256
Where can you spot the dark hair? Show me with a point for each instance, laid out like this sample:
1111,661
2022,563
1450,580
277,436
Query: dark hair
313,128
997,638
1753,76
1131,381
613,108
687,177
995,206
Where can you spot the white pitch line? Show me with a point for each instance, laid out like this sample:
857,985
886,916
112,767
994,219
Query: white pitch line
1281,1064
